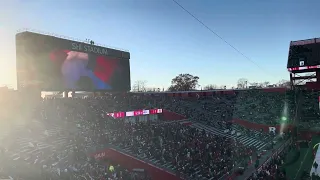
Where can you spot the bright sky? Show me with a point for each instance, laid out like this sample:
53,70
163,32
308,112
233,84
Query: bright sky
164,40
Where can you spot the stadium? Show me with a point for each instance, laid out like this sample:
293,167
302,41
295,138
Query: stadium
108,132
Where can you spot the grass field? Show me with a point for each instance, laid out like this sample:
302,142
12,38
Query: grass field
305,161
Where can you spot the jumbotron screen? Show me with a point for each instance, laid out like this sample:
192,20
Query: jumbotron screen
56,64
304,55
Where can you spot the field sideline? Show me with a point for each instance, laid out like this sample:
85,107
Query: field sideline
304,163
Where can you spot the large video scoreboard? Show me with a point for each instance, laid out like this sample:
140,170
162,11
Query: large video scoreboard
55,64
304,55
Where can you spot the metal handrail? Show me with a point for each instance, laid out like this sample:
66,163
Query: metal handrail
275,153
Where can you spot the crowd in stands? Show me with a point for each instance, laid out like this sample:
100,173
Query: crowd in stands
215,110
273,169
191,152
264,107
57,134
253,105
310,113
55,140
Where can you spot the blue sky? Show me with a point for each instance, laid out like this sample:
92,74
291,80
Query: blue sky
164,40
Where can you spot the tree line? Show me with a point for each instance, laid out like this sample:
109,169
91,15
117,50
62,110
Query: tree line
188,82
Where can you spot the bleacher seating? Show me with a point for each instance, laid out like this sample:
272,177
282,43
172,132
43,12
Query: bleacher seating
260,107
310,111
56,134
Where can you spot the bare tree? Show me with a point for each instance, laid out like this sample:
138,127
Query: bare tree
139,86
148,89
210,87
265,84
255,84
283,83
242,83
153,89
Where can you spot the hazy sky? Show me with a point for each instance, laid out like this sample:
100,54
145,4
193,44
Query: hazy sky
164,40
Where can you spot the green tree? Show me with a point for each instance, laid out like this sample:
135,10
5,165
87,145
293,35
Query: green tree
184,82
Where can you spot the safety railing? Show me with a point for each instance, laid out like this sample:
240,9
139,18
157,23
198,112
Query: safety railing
274,154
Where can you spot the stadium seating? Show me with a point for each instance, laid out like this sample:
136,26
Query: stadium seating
192,152
56,140
272,170
260,107
310,113
55,135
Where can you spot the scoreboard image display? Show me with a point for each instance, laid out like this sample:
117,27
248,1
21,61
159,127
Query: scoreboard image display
55,64
304,54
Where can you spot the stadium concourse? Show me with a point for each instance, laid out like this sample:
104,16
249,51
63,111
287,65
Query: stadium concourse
194,135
